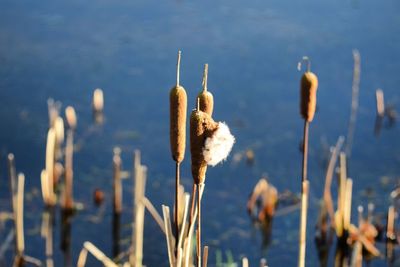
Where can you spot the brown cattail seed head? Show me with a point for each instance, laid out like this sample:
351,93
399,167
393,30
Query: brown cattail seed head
71,117
98,100
201,127
308,95
205,97
177,116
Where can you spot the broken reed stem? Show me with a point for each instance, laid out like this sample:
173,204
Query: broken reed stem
69,173
117,186
149,206
328,180
380,103
341,194
136,185
169,236
139,219
390,233
19,216
177,183
97,253
205,256
354,101
12,173
303,223
183,226
199,186
50,160
47,233
347,206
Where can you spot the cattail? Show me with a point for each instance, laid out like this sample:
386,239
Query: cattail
71,117
206,98
201,127
308,93
178,109
98,100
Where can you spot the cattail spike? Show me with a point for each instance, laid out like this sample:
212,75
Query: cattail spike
205,77
178,67
308,93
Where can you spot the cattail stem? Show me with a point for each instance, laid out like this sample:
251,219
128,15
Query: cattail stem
198,225
303,223
193,203
178,67
305,151
205,77
177,183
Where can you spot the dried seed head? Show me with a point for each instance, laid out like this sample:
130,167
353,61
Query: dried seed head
205,97
98,100
71,117
201,127
59,129
308,95
177,115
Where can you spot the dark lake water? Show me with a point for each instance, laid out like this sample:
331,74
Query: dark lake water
66,49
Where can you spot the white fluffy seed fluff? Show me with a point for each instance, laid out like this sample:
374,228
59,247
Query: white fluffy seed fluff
219,145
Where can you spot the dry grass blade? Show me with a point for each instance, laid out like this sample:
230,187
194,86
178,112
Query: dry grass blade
185,213
97,253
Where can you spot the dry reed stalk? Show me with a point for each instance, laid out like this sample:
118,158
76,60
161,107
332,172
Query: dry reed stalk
98,101
117,186
178,110
193,203
139,220
169,236
205,256
356,257
71,117
150,207
50,160
54,110
303,223
188,240
341,195
390,232
179,257
45,187
328,180
245,262
12,173
59,129
19,220
68,201
183,226
380,103
97,253
354,101
205,97
347,204
47,234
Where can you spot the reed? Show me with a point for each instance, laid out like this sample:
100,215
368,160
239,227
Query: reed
68,201
117,186
70,115
19,221
50,161
205,97
308,102
178,110
380,103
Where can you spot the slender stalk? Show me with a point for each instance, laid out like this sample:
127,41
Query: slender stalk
177,183
198,226
304,199
205,256
305,151
192,205
303,223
